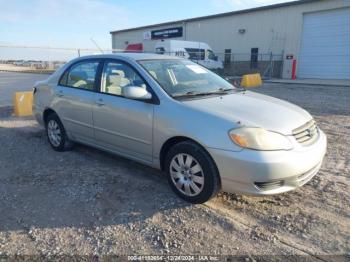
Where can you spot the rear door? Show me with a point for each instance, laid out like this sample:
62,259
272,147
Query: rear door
74,97
123,125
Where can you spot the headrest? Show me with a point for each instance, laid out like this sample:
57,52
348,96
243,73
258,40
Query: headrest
118,72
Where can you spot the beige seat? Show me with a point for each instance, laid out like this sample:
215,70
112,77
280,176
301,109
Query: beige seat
77,79
123,80
115,82
113,85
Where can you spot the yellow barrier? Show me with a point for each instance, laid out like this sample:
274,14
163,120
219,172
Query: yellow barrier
22,102
251,80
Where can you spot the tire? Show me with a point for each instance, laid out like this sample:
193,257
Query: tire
56,134
195,179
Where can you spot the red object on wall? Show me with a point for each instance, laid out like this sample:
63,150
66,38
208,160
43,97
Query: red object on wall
294,69
134,48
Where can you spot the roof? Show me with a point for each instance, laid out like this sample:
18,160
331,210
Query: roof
130,55
250,10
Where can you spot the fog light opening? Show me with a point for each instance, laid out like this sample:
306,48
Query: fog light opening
264,186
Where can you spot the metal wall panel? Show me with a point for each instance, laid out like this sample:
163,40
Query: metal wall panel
325,48
276,30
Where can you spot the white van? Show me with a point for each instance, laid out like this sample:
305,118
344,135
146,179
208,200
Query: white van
198,52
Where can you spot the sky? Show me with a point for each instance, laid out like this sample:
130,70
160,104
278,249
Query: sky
72,23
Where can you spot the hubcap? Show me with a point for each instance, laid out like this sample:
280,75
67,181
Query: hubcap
187,174
54,133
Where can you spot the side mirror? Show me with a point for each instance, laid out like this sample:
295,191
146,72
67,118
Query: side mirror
136,92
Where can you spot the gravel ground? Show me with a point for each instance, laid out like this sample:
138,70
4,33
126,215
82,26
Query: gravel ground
86,202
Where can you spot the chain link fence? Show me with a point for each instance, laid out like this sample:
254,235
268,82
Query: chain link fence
229,65
39,59
238,64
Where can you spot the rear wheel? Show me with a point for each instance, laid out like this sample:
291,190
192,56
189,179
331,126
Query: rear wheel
192,173
56,134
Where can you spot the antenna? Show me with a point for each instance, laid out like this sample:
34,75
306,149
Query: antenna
92,40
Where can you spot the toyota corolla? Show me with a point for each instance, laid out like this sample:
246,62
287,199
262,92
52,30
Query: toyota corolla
177,116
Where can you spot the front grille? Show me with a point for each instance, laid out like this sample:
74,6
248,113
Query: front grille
269,185
307,134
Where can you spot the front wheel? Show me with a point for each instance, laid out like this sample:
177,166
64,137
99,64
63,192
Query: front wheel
192,173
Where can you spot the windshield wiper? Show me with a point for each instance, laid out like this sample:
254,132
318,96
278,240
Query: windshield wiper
220,91
191,93
225,89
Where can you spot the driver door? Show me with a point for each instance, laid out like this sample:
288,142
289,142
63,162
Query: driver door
123,125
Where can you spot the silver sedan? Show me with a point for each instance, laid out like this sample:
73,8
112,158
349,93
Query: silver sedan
177,116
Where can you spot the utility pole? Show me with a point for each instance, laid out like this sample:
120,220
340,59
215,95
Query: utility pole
96,45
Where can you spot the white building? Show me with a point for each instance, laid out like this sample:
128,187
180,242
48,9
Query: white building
316,33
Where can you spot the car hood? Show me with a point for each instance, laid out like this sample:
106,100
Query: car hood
254,110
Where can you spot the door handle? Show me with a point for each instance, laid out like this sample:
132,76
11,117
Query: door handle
100,102
60,93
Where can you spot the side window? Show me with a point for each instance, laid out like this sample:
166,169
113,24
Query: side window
116,76
81,75
160,50
195,53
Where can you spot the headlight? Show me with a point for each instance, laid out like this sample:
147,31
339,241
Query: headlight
259,139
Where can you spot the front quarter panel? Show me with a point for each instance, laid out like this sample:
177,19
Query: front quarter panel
174,118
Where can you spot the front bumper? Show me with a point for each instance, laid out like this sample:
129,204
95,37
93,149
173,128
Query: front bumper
269,172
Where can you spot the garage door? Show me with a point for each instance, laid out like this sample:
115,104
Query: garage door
325,47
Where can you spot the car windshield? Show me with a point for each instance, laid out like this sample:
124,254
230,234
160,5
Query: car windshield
181,78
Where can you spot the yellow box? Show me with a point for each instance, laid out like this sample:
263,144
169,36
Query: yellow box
251,80
22,102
